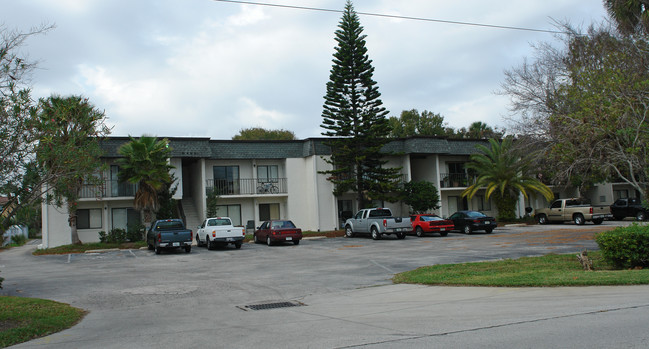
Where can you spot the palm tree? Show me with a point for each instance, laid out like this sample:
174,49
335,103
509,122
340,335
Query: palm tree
631,16
145,162
504,174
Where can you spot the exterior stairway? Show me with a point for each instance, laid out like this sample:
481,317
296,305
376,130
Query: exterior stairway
191,215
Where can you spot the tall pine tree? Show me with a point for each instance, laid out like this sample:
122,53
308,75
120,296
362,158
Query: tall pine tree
355,119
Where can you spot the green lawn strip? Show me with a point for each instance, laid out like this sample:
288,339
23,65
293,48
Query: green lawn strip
23,319
549,270
65,249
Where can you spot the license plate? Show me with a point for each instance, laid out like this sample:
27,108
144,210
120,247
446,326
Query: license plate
398,230
176,244
442,229
229,239
289,238
487,222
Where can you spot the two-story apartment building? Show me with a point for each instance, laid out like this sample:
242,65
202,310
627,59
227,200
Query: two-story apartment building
261,180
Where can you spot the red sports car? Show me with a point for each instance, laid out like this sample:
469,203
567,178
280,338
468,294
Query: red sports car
429,223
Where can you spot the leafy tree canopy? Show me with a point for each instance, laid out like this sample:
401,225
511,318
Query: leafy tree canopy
586,107
412,123
258,133
421,196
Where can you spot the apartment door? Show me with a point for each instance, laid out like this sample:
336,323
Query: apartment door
268,212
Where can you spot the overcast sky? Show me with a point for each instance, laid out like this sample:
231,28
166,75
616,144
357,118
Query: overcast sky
204,68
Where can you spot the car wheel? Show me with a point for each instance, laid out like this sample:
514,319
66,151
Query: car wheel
578,219
542,219
255,239
188,249
598,221
157,250
420,232
489,230
467,229
268,242
401,236
208,243
296,242
641,216
375,234
349,232
150,247
443,234
237,245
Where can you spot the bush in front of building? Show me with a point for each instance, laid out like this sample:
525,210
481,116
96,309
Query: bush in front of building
625,247
114,236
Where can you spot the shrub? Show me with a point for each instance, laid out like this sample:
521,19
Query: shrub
18,240
135,232
114,236
625,247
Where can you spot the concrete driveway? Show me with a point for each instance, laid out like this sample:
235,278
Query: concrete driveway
327,293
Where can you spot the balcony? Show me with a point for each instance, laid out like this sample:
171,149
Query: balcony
247,186
456,180
109,189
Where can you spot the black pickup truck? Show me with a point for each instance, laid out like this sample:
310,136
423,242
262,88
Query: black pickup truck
629,207
168,234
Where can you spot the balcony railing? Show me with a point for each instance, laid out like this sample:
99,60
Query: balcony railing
111,188
247,186
456,180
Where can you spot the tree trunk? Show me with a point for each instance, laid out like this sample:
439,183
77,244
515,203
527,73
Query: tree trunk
72,221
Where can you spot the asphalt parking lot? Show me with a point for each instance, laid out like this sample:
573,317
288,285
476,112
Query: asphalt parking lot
323,293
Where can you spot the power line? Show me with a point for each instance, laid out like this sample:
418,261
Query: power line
493,26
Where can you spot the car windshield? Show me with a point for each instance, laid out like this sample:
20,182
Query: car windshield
282,225
170,225
218,221
430,218
380,213
475,214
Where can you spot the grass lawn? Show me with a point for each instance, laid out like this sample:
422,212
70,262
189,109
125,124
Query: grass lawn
23,319
65,249
549,270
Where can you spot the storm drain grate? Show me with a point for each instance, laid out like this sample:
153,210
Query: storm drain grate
276,305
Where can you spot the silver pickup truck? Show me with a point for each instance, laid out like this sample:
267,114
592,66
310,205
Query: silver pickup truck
377,222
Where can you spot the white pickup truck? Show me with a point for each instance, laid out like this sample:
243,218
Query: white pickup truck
219,231
377,222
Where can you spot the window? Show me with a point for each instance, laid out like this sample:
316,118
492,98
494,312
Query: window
231,211
556,204
226,179
267,173
89,218
621,194
125,217
483,203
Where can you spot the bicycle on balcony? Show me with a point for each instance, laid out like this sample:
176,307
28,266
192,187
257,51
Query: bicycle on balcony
267,188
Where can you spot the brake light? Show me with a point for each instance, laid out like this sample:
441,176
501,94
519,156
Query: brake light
213,234
243,231
159,237
385,223
591,210
191,235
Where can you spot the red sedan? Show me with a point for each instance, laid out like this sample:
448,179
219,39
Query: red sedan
430,223
272,232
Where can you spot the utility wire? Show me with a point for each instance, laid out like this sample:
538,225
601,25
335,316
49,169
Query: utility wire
396,17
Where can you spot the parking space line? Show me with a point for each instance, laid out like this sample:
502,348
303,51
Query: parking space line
384,267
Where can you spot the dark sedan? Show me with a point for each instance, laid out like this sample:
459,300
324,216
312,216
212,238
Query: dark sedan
272,232
470,221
